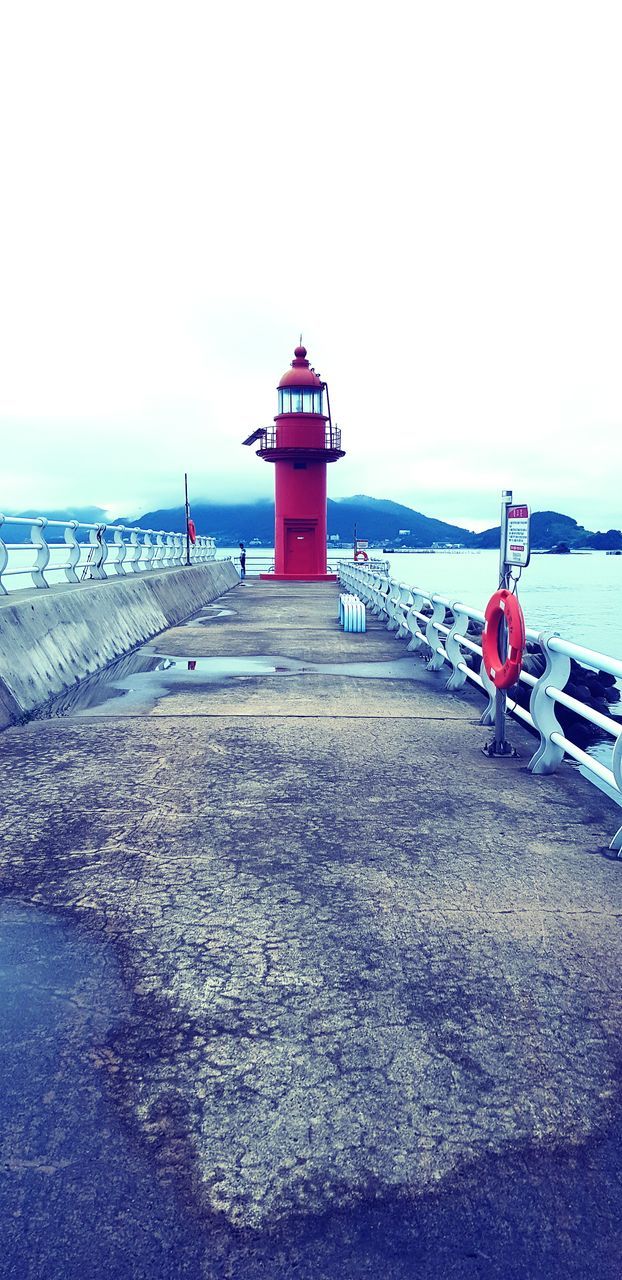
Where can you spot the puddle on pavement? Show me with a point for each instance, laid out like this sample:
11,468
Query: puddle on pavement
211,613
143,678
71,1171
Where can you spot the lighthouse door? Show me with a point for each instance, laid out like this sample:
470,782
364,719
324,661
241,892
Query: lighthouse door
300,546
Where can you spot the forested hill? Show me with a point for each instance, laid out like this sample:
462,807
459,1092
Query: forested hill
378,520
550,529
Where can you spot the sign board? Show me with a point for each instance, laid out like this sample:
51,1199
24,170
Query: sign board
517,550
361,546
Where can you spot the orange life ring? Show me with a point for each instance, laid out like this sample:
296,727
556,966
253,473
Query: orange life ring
503,604
192,531
361,556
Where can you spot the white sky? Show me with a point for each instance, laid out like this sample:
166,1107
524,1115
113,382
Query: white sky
430,192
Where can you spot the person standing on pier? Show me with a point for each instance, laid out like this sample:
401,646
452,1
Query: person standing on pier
242,560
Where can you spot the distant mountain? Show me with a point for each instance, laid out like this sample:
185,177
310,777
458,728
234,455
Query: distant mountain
10,532
86,515
550,528
376,519
228,524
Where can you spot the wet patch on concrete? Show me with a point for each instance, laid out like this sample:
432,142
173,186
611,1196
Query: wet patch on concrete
143,678
78,1195
81,1197
211,613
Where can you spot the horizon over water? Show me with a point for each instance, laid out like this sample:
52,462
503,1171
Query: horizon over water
579,595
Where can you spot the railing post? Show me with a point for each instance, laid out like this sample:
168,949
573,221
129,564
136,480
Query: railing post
4,559
368,588
134,559
393,600
149,549
99,552
402,610
616,768
43,552
104,550
74,551
374,591
413,622
488,714
170,547
548,755
121,546
454,653
433,635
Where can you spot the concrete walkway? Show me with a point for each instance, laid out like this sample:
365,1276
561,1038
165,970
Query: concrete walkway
337,996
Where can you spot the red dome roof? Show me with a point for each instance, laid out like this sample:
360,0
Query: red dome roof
300,375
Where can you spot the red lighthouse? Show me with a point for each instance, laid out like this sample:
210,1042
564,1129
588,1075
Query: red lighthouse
301,443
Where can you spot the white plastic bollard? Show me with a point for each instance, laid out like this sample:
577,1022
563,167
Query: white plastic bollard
352,614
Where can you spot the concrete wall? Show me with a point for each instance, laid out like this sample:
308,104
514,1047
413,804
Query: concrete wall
51,639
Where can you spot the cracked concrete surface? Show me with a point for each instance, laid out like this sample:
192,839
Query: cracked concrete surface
360,959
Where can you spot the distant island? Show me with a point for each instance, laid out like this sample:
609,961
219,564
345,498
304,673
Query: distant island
381,522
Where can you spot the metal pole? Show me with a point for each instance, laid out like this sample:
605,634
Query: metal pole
187,519
501,747
355,540
330,421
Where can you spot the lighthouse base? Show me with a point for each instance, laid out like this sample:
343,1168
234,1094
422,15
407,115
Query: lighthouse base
299,577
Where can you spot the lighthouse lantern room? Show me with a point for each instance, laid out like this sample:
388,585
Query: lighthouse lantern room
300,444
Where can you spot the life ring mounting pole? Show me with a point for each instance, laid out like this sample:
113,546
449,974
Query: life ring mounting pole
500,745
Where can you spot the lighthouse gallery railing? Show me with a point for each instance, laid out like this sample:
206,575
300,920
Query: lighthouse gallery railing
332,438
421,617
84,551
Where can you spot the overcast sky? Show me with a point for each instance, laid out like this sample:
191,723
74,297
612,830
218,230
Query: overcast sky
431,193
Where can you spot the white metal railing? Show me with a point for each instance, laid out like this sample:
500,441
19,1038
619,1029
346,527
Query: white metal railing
422,618
82,551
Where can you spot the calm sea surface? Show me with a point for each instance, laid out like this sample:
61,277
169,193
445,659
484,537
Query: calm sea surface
578,595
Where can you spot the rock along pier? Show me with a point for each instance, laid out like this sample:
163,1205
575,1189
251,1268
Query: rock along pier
301,984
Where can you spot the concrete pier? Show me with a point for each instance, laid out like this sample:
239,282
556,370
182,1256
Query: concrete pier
357,987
